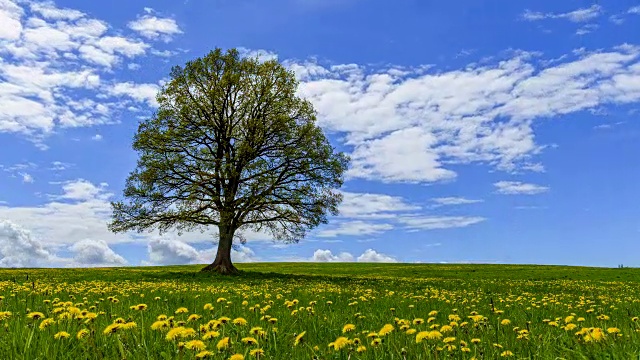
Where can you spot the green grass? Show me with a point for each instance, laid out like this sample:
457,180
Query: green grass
368,296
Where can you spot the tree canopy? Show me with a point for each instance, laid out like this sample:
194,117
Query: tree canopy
231,145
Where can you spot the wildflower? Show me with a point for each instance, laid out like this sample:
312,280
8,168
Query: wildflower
505,322
239,321
46,323
475,341
174,333
506,353
433,313
411,331
376,342
256,352
339,343
594,335
210,335
255,330
139,307
448,340
568,319
273,320
224,319
361,348
111,329
298,339
223,344
182,310
204,354
570,326
35,315
237,357
348,327
386,329
160,325
61,335
193,317
418,321
82,334
128,325
195,345
613,330
208,306
249,341
445,329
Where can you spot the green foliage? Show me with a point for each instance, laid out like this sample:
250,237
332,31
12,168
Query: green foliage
231,145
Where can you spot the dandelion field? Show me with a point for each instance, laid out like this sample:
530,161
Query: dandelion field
321,311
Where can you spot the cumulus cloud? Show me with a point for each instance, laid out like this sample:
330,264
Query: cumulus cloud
95,253
153,27
481,113
518,187
368,255
56,69
429,222
18,248
175,252
371,255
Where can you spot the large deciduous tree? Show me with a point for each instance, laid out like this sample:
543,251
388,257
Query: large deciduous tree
232,146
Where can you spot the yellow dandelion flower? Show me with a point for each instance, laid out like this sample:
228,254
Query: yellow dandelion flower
411,331
376,342
160,325
299,339
249,341
82,334
237,357
210,335
386,329
348,327
181,310
448,340
256,352
61,335
223,344
35,315
361,348
239,321
475,341
204,354
506,353
208,306
112,329
195,345
46,323
339,343
613,330
505,322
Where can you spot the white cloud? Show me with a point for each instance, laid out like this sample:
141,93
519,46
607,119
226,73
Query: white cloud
19,249
372,206
262,55
427,222
517,187
327,256
410,125
174,252
634,10
96,137
26,178
453,200
354,228
56,69
95,253
153,27
368,255
139,92
371,255
579,15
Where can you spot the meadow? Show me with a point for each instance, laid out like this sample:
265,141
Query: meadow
321,311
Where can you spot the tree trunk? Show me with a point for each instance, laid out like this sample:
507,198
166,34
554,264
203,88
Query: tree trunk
222,264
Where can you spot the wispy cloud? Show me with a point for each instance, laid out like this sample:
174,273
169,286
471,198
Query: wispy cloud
517,187
577,16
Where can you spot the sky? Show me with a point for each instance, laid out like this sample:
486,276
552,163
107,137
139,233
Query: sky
478,131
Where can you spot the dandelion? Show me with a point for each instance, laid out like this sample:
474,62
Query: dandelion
361,349
249,341
348,327
46,323
111,329
298,339
475,341
237,357
204,354
376,342
193,317
505,322
223,344
181,310
139,307
448,340
61,335
445,329
239,321
613,330
210,335
82,334
506,353
160,325
35,315
256,352
339,343
386,329
208,306
195,345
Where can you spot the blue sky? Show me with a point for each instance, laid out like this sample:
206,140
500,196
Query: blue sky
479,131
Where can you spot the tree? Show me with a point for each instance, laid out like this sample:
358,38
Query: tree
231,145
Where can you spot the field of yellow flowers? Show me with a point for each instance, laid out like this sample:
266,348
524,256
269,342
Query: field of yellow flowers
321,311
